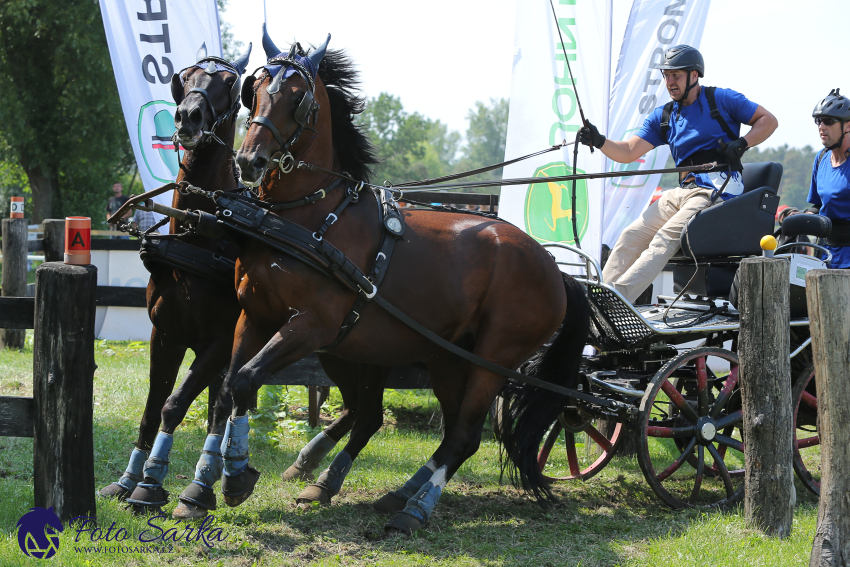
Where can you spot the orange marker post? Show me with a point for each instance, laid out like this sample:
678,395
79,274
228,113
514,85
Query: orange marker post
17,209
78,241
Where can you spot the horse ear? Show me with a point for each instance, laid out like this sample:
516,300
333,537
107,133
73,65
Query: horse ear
242,62
202,52
268,45
176,88
248,92
317,56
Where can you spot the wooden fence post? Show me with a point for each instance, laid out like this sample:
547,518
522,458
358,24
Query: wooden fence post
765,367
828,297
54,240
14,280
63,369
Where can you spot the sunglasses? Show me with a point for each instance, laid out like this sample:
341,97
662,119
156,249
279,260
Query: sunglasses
825,121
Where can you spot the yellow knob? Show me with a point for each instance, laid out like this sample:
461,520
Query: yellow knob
768,243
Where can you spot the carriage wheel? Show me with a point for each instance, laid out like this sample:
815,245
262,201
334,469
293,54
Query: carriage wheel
587,449
806,439
690,415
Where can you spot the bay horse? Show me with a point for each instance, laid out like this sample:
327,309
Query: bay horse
481,284
198,310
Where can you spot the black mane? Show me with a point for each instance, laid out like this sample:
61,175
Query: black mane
353,147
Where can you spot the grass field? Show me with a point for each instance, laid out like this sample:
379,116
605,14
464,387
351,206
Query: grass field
611,519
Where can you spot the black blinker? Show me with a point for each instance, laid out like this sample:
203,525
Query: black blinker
304,108
176,88
248,92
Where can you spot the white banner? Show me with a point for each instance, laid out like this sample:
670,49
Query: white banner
544,112
149,40
654,26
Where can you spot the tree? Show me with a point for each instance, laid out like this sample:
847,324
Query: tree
410,146
485,139
60,117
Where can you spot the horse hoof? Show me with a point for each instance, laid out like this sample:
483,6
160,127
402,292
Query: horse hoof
294,473
313,493
390,503
195,501
148,495
188,511
236,489
115,491
402,523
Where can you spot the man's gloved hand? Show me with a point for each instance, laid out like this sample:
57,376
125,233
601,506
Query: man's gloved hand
590,136
733,151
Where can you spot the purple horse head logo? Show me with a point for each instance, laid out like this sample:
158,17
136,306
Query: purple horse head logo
38,534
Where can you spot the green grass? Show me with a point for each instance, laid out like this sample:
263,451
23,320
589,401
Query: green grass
611,519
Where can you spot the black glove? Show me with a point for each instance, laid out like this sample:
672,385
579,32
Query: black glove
590,136
733,151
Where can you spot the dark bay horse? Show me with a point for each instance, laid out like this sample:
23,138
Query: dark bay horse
481,284
198,310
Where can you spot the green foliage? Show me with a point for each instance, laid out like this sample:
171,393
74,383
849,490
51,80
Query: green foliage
230,46
59,111
485,139
13,183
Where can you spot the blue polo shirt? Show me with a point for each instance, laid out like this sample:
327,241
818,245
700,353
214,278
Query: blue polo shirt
830,191
692,128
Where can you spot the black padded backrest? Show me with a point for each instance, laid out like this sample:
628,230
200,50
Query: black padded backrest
762,174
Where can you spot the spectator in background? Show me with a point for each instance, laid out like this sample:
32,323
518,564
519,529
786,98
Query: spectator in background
143,220
115,203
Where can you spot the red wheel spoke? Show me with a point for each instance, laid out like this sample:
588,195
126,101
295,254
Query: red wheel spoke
546,449
600,439
669,432
678,462
810,400
679,401
724,394
702,385
725,441
700,472
572,457
730,419
808,442
724,471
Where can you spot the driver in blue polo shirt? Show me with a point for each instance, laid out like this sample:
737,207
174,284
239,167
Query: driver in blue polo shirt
701,125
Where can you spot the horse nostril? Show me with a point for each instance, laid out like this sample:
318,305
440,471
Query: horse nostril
260,163
177,118
196,117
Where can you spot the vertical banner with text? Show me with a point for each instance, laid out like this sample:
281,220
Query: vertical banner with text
654,26
544,112
149,40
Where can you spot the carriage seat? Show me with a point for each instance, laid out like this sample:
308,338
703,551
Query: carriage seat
720,235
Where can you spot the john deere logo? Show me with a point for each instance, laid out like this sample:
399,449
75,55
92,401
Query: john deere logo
637,180
549,208
156,126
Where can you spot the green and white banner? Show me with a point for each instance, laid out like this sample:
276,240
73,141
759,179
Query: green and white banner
149,40
654,26
544,112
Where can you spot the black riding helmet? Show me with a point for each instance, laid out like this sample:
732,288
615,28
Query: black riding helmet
834,105
686,58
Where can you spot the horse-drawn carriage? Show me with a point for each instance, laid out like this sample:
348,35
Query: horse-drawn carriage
667,373
329,264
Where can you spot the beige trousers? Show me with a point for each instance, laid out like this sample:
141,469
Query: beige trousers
645,246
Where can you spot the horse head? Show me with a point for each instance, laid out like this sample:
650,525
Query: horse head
207,94
284,97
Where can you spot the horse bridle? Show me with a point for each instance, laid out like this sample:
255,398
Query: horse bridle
232,110
306,108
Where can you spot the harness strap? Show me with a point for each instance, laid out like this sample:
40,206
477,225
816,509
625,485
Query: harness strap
263,121
170,250
666,112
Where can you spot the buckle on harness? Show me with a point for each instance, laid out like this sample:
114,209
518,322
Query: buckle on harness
374,290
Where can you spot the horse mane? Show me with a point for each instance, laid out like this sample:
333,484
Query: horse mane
353,146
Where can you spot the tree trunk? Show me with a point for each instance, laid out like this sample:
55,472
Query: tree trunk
766,395
828,296
44,185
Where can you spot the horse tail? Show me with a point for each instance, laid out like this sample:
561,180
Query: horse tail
528,411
